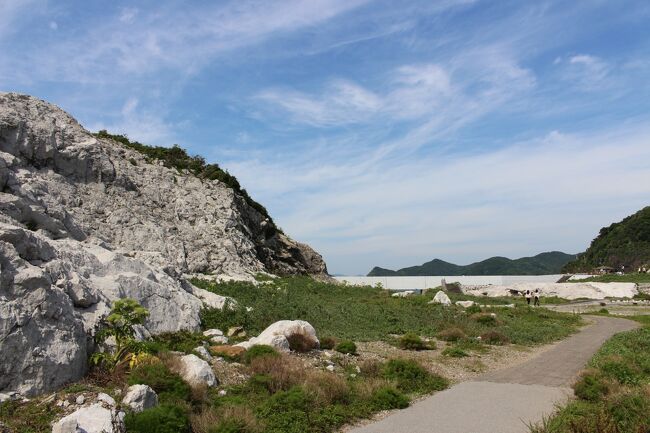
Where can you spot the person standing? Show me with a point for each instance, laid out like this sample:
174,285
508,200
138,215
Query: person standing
536,295
528,296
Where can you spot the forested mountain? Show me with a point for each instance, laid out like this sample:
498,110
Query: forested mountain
622,244
544,263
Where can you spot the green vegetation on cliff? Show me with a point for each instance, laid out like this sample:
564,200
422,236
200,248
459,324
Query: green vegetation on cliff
544,263
622,244
178,158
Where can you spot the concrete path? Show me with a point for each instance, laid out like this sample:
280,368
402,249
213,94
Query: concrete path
508,400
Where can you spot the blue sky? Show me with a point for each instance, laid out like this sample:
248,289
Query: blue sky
379,132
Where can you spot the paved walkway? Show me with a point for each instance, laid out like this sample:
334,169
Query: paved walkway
508,400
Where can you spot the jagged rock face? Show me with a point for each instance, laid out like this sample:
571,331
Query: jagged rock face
62,179
84,222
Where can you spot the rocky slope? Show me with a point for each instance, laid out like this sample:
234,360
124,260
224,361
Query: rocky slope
85,221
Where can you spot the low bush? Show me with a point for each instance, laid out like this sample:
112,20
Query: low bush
327,343
169,386
451,334
287,412
300,343
454,352
326,388
229,419
182,341
412,341
486,319
603,311
625,372
31,416
371,368
259,351
495,338
473,309
412,377
159,419
387,398
347,347
590,386
282,372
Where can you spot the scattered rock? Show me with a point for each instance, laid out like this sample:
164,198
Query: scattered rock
236,332
230,351
330,367
465,304
403,294
106,399
441,298
213,333
223,393
216,336
80,399
278,333
91,419
196,371
203,353
140,397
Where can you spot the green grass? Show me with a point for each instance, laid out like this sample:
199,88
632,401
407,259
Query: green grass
371,314
29,417
613,396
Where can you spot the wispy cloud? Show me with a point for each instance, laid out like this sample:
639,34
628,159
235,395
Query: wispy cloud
541,194
586,71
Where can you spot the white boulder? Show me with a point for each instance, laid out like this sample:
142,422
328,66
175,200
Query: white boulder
140,397
403,294
465,304
196,371
91,419
203,353
278,333
441,298
213,333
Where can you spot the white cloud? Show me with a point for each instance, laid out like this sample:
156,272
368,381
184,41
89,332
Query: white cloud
127,15
175,37
586,71
53,25
143,125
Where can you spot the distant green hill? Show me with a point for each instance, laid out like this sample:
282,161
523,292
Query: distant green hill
625,243
541,264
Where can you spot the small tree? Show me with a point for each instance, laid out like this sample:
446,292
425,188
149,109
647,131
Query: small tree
125,314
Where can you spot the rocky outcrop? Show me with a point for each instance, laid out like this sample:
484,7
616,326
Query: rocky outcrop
58,177
196,371
279,334
441,298
140,397
87,221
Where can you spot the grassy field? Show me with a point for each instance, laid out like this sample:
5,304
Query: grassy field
614,278
613,394
368,313
296,392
